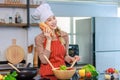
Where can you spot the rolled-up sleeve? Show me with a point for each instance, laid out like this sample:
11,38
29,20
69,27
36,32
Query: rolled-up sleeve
67,57
39,43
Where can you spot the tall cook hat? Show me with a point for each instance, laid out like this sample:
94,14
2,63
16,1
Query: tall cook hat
43,12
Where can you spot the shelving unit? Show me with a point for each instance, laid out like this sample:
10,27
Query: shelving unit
14,25
24,6
33,6
34,24
2,5
20,25
26,24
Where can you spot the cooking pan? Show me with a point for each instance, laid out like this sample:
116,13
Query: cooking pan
27,73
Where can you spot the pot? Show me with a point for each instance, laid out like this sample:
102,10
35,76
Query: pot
27,73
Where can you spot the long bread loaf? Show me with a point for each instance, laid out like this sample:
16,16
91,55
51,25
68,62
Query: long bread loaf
44,26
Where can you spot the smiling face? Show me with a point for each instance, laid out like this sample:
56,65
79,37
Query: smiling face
52,22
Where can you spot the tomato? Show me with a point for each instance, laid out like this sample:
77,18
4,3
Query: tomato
88,74
110,70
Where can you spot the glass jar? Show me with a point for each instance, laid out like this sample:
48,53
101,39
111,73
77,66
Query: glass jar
10,20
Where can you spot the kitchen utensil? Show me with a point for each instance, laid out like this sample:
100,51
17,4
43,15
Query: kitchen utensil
73,63
15,53
27,73
48,61
62,74
30,55
30,48
28,65
35,58
14,67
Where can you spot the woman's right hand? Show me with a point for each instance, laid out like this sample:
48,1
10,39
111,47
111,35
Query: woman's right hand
47,33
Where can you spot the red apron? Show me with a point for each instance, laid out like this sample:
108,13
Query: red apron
57,55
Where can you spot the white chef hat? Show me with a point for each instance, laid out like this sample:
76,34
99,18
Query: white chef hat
43,12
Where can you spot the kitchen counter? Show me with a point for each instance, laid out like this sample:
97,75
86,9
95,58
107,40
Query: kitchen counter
75,77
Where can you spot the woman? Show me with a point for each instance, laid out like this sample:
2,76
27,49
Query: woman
54,46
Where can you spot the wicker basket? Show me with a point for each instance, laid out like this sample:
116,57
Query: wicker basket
64,74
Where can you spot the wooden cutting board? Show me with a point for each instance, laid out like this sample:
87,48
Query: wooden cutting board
14,53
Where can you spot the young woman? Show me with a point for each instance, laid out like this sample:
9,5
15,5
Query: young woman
54,46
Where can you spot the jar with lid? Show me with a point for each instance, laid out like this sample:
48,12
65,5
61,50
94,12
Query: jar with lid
10,20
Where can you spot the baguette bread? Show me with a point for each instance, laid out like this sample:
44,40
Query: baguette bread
44,26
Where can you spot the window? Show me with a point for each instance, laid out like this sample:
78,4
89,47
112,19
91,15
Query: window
118,12
64,23
68,24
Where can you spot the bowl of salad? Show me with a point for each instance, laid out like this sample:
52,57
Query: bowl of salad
64,72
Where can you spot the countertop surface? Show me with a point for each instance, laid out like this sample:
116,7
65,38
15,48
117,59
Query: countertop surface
75,77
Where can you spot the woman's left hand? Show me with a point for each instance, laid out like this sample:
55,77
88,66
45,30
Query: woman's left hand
76,57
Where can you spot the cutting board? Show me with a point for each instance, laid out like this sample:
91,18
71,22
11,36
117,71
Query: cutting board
15,53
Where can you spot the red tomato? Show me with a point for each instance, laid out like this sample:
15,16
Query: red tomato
88,74
111,70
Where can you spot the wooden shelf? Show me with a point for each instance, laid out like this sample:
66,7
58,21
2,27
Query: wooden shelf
34,6
2,5
34,24
14,25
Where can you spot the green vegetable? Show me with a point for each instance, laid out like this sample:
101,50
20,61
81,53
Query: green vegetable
90,68
63,67
10,76
14,74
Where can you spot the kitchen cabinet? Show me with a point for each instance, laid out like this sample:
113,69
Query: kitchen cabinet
107,31
107,42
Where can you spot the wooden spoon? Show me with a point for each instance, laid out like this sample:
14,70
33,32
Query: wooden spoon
14,67
48,61
73,63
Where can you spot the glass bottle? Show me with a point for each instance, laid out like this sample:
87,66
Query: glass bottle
18,18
